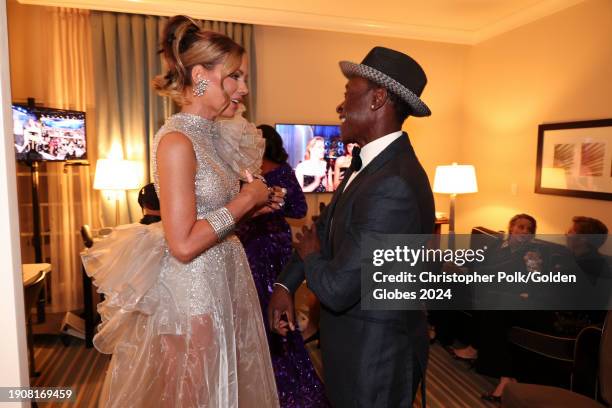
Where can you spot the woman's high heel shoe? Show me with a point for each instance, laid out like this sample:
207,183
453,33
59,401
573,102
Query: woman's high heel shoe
491,398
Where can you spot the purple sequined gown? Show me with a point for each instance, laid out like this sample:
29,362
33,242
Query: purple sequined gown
267,242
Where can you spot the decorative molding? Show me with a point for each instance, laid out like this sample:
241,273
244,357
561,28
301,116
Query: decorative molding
316,20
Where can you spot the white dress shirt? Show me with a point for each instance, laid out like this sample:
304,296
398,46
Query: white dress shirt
371,150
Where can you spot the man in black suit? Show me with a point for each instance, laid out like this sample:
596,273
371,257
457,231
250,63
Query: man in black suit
370,358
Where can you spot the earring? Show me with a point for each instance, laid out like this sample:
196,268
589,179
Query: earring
200,87
372,107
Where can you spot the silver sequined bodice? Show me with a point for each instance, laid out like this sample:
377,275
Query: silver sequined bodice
215,185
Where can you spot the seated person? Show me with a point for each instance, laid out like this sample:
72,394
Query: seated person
489,346
149,202
585,238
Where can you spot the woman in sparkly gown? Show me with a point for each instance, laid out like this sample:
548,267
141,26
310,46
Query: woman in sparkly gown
267,242
181,316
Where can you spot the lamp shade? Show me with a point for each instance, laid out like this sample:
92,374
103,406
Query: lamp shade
455,179
113,174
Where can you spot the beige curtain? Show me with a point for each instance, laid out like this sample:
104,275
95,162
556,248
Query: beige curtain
70,195
129,112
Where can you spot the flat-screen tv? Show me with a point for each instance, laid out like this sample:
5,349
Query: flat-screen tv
317,155
46,134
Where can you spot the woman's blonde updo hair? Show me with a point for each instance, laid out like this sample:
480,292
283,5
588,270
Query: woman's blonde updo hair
185,45
311,144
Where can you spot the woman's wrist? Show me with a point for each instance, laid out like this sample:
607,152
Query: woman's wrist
242,204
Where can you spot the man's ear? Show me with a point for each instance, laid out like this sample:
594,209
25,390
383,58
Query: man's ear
379,98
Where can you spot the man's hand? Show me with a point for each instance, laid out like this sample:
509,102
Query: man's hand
281,305
322,206
307,241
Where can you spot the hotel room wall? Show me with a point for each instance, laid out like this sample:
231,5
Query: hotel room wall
28,55
299,81
557,69
29,60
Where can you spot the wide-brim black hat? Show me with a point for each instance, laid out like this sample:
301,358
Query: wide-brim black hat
396,72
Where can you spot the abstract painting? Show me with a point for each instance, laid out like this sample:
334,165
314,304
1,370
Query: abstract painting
575,159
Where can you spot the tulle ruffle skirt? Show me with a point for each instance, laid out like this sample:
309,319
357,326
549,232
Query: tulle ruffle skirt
181,335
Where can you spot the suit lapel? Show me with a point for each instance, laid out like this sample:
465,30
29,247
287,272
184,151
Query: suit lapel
332,205
400,146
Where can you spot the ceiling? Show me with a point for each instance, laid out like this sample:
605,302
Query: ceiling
453,21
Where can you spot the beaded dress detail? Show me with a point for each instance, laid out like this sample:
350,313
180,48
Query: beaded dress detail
183,334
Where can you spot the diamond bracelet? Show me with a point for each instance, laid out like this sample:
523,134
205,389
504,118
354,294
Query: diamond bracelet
221,221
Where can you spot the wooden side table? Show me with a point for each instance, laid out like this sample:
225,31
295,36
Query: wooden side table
439,223
31,272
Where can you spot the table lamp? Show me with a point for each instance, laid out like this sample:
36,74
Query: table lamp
113,176
454,179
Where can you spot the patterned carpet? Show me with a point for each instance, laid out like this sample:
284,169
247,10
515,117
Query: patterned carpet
72,366
450,383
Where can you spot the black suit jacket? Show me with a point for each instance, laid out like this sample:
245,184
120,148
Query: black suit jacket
370,358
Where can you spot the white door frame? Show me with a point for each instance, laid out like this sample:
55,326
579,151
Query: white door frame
13,345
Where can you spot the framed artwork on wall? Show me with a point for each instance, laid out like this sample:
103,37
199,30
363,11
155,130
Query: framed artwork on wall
575,159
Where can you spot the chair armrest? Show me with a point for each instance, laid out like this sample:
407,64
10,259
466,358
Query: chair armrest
586,362
555,347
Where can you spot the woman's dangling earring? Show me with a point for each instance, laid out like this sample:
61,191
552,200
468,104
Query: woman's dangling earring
200,87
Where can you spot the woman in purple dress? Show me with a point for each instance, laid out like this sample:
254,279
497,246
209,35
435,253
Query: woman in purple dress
267,242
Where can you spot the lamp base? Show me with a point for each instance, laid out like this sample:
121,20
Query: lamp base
451,214
111,195
117,211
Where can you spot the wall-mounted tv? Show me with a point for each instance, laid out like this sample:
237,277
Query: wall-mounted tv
46,134
317,155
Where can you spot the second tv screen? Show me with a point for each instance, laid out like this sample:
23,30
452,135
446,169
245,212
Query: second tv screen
317,155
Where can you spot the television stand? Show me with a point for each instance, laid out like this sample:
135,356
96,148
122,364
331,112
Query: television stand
36,234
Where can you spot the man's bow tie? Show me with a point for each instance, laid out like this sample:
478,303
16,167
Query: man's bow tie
356,161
